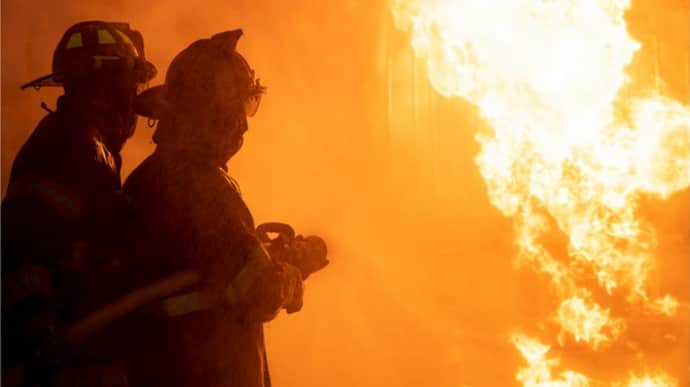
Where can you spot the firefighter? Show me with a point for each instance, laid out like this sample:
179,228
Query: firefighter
61,214
191,216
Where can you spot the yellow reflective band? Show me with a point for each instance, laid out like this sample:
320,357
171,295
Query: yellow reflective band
243,281
128,41
187,303
50,193
75,41
105,37
98,60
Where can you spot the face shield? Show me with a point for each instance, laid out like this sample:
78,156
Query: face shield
251,105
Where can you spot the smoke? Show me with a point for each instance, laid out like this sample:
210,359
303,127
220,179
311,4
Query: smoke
352,144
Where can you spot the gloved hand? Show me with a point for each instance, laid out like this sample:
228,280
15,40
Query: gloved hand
278,287
293,280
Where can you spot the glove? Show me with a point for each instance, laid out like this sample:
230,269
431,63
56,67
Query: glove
293,279
278,287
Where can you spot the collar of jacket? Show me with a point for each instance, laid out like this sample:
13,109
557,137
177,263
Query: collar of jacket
82,118
188,154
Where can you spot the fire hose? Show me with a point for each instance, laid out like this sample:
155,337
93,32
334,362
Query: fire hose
130,302
308,254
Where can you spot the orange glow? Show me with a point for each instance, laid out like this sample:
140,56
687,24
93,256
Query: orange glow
567,151
353,143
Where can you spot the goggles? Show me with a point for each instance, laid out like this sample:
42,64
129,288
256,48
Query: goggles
251,105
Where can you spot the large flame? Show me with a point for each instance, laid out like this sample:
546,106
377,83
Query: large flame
569,152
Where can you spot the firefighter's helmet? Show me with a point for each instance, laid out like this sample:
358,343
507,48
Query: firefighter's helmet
98,49
208,72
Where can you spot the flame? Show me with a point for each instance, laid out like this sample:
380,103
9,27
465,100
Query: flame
538,372
540,369
568,151
658,379
666,305
588,322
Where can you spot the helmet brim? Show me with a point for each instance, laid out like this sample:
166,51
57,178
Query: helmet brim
50,80
148,71
151,103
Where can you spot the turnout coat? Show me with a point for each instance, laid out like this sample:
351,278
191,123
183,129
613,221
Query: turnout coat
190,216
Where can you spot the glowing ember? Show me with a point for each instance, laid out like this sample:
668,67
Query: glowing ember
567,153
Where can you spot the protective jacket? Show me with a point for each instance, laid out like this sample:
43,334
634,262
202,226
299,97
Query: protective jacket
190,216
61,225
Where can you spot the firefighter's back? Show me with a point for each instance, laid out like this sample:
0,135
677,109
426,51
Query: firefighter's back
190,217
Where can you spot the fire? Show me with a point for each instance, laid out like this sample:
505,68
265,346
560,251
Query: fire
538,372
588,322
656,380
569,152
540,369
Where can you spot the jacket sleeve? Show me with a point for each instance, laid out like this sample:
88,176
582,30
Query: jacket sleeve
33,238
235,263
263,287
43,218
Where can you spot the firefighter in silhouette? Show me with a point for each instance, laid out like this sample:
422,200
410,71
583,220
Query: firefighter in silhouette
60,226
191,216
